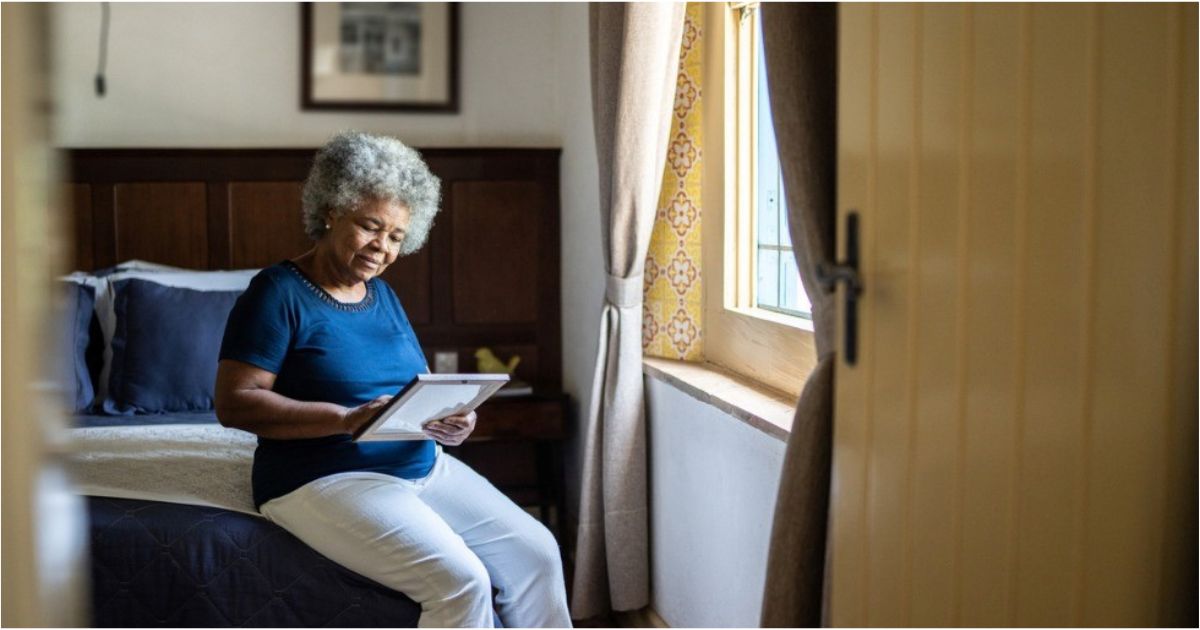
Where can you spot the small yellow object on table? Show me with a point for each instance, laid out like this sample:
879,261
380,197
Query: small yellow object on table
488,363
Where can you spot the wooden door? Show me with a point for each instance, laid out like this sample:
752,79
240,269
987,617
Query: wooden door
1017,443
44,574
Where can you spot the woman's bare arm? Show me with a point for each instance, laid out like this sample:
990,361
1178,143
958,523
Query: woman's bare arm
244,400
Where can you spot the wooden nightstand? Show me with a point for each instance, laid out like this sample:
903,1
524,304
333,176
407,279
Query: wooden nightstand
517,445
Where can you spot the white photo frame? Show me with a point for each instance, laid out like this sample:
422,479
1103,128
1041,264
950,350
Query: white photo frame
427,398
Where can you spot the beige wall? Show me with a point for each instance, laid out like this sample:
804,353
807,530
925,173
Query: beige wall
1018,443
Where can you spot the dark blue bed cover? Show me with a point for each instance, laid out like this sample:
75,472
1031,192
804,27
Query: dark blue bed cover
167,564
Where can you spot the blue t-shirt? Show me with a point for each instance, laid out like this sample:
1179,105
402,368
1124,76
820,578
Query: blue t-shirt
324,350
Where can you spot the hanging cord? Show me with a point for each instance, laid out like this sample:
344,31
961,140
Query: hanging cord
103,49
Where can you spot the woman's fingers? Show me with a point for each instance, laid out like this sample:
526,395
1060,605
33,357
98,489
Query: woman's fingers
465,421
354,418
437,426
454,423
451,430
449,439
441,426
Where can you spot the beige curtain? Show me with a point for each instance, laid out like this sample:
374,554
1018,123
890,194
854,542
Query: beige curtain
800,41
635,56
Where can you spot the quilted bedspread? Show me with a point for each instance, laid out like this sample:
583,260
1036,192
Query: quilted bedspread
162,564
175,539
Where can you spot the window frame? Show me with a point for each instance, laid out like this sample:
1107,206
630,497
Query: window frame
774,349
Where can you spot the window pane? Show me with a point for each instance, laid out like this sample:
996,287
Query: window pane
768,197
777,285
768,184
794,298
767,287
785,237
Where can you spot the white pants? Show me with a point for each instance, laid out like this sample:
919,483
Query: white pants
443,541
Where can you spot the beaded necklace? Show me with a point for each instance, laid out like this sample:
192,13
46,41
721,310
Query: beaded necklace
324,295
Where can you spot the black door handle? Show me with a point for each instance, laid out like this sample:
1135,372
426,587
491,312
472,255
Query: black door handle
846,272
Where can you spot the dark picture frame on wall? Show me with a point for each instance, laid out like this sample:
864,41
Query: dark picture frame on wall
368,56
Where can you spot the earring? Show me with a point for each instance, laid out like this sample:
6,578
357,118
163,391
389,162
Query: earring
326,226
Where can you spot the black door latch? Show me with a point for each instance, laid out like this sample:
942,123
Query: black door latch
846,272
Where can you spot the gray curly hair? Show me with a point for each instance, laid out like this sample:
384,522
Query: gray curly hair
355,167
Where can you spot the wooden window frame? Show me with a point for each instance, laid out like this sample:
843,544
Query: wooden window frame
771,348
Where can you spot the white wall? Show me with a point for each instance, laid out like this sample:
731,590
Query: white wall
713,481
583,263
228,75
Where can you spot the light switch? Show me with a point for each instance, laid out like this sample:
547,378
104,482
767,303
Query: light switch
445,362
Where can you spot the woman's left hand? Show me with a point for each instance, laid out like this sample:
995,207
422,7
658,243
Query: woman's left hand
451,430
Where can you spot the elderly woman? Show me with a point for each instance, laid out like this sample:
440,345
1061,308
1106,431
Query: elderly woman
312,349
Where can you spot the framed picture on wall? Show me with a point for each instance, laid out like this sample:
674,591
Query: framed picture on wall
400,56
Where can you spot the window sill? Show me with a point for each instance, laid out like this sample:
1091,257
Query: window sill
759,406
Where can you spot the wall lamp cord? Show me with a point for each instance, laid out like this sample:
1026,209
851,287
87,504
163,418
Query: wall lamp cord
104,16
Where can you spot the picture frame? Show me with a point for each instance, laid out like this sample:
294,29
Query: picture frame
399,56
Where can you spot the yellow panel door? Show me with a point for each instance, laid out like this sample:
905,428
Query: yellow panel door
1016,444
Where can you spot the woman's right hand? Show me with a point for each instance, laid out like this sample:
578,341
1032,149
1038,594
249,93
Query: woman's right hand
354,418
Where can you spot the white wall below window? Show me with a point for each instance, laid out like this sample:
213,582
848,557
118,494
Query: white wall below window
713,481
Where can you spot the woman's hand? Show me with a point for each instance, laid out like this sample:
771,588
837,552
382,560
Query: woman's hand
451,430
355,417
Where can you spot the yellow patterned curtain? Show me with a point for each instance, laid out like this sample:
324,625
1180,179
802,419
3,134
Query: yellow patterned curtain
671,325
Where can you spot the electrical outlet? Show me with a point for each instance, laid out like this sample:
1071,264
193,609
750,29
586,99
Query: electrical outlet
445,362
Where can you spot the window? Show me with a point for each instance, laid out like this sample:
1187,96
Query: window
757,316
776,279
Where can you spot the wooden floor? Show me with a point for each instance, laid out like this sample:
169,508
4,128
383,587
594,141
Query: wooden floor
644,618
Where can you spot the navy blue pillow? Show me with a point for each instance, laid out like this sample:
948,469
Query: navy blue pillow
164,348
78,316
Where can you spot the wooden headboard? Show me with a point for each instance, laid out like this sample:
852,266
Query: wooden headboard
489,275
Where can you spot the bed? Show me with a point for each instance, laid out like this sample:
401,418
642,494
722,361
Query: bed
175,565
165,241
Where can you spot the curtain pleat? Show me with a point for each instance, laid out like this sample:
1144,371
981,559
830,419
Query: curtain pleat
634,60
800,42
